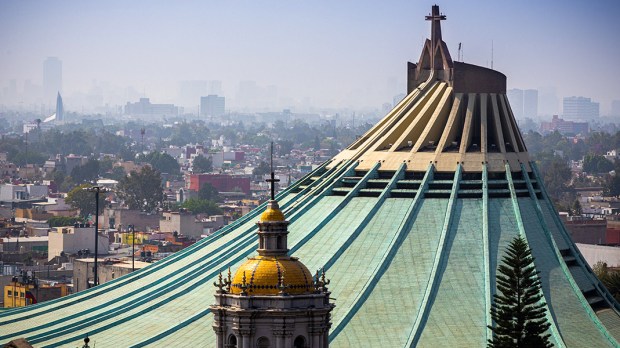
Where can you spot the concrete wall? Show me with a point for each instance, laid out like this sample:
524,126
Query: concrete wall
184,223
125,217
587,231
72,239
596,253
106,270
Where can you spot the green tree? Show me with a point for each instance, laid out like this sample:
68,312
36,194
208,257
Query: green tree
143,190
116,173
58,176
596,164
316,144
66,185
612,186
58,221
209,193
162,162
556,174
202,164
201,206
262,169
84,201
518,312
576,209
284,147
86,172
609,278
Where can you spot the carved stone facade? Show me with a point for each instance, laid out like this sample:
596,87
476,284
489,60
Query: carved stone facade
273,300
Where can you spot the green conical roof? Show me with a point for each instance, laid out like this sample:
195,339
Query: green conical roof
410,232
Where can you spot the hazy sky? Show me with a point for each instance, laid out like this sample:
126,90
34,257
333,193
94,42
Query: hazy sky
328,51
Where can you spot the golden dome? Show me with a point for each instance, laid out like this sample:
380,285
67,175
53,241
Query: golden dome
272,213
262,276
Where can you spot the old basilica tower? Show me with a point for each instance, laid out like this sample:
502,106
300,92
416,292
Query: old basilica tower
272,300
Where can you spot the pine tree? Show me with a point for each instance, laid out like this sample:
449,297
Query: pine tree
517,311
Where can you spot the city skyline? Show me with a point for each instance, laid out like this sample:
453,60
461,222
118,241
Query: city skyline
324,54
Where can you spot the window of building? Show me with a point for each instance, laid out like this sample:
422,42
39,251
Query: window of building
262,342
232,342
300,342
10,293
22,295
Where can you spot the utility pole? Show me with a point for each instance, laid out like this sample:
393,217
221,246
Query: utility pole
96,190
133,247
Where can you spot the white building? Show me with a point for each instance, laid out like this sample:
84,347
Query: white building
72,239
12,193
580,108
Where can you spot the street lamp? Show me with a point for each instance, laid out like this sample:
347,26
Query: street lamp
133,247
96,190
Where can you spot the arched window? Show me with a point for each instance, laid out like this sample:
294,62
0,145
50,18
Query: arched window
232,342
300,342
262,342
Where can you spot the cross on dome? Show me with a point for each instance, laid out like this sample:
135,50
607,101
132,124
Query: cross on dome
435,17
272,180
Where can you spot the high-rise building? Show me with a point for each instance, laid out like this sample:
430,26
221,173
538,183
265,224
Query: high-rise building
524,103
191,91
530,103
615,108
411,222
144,108
215,87
515,96
580,108
52,79
548,101
212,106
60,109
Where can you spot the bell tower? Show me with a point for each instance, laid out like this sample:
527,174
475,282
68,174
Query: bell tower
272,300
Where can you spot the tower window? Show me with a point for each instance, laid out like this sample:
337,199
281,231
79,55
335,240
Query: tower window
279,242
232,342
300,342
262,342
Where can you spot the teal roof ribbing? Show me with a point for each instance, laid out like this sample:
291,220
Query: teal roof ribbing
421,266
410,221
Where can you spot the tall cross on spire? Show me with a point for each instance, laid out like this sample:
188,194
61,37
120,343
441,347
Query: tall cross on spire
272,180
435,17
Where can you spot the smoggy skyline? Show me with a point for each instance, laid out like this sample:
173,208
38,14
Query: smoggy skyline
332,54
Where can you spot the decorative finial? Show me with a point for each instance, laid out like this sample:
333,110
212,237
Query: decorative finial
317,281
86,340
272,180
324,282
220,284
281,285
244,285
228,281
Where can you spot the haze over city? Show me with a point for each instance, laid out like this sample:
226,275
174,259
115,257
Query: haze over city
320,54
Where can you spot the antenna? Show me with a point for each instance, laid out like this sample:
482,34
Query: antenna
491,54
459,54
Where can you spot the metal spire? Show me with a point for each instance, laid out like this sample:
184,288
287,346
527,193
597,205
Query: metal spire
273,179
435,17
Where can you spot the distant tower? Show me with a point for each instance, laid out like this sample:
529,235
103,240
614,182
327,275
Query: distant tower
272,300
52,78
212,106
60,110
